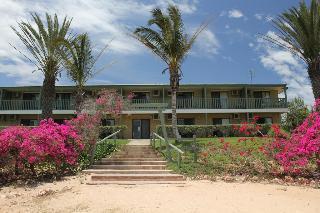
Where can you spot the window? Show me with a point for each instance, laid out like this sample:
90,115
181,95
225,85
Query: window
108,122
155,116
59,121
169,93
220,121
250,115
266,120
236,116
185,121
31,96
29,122
261,94
156,93
63,96
169,116
141,95
185,95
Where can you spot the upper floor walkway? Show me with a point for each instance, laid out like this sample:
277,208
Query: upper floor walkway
67,106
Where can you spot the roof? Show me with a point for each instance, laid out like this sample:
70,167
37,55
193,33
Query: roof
278,87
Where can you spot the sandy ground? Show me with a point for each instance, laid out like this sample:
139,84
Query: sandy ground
72,195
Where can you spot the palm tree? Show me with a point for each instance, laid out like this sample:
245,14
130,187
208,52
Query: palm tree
79,62
44,44
170,43
299,32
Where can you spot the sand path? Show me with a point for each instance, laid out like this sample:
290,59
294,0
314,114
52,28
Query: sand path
71,195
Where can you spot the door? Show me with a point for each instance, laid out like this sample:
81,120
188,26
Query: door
184,100
140,129
224,100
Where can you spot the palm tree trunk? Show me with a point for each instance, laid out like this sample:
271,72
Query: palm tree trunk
314,75
48,96
174,112
79,99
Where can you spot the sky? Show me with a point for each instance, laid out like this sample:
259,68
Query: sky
225,52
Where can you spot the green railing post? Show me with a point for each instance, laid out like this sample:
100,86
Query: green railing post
179,159
115,140
195,151
164,132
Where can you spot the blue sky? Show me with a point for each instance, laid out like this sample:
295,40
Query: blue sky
224,53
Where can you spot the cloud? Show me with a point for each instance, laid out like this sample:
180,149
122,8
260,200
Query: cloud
103,20
289,67
251,44
207,44
235,13
187,7
258,16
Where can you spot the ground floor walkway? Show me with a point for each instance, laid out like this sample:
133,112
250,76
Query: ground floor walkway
72,195
139,142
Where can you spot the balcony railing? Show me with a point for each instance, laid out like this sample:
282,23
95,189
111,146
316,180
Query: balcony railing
211,103
154,104
34,105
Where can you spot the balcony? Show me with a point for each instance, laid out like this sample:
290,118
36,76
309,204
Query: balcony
211,103
9,105
155,104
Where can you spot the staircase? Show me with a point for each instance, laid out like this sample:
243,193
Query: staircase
136,162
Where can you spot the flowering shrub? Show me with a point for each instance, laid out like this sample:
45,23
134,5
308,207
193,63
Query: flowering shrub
299,153
56,146
11,140
88,127
111,102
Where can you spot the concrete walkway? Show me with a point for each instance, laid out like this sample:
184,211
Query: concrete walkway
139,142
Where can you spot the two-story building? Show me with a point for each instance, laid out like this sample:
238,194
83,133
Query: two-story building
197,104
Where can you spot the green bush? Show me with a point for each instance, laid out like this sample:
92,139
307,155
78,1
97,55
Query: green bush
108,130
203,131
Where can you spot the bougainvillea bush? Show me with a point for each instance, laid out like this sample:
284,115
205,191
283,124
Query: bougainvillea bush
299,153
49,147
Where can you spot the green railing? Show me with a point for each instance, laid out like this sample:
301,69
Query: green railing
169,148
155,104
104,142
34,105
210,103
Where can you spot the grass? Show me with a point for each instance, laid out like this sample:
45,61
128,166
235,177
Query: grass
108,146
220,156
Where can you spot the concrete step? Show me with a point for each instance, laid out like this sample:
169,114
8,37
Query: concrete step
110,162
176,183
135,156
132,159
115,171
128,167
136,177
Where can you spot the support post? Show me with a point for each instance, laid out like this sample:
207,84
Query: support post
153,142
165,135
163,94
194,147
246,97
206,104
115,140
285,95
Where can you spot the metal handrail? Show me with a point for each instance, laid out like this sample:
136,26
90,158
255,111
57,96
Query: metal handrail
109,136
179,151
113,135
176,148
